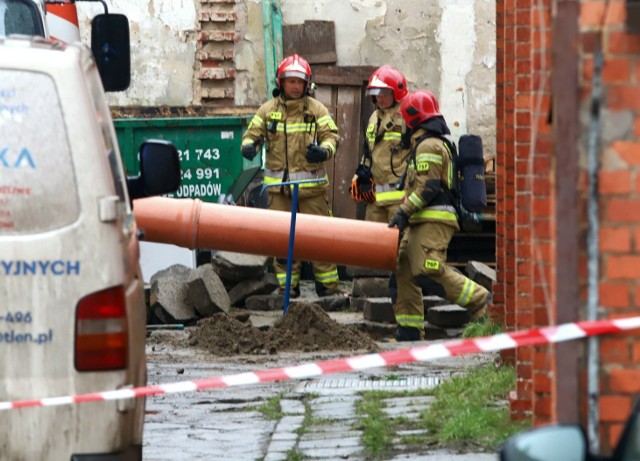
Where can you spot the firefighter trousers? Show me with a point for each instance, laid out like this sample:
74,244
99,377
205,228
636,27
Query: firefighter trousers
383,214
325,274
423,253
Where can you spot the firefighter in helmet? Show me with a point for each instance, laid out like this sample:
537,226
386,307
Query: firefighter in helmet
300,137
385,151
427,220
383,147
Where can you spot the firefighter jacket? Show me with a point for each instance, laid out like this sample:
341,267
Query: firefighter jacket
288,127
388,157
430,179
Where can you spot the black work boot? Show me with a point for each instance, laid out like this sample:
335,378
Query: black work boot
407,334
293,294
393,289
323,291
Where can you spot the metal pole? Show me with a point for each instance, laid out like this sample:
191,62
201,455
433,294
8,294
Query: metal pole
292,231
292,236
593,299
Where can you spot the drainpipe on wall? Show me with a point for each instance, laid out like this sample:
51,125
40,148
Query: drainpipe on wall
566,107
593,366
272,31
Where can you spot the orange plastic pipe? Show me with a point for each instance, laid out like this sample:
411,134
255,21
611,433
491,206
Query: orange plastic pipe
191,223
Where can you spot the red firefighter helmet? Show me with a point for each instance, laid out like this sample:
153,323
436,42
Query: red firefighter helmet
294,66
387,78
418,106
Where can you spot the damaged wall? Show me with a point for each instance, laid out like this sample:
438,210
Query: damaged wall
163,49
447,46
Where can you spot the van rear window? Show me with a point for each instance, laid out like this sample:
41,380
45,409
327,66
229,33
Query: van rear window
20,17
38,190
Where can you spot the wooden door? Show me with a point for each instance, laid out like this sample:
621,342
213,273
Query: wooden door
342,90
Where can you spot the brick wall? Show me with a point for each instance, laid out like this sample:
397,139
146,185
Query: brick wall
526,224
524,195
619,185
215,73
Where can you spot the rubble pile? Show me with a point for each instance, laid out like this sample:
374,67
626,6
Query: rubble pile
306,327
180,295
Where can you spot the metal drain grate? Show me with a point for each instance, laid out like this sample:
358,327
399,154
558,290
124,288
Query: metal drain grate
358,385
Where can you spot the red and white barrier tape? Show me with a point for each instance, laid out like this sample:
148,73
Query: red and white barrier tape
547,335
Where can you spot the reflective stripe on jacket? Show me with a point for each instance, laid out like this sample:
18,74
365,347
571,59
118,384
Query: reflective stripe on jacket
433,164
277,176
388,193
386,127
289,126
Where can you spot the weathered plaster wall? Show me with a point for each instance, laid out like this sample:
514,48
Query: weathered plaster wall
163,49
251,83
447,46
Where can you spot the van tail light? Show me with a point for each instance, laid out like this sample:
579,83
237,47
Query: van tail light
101,331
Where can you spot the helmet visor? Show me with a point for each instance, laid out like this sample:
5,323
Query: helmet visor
379,91
294,73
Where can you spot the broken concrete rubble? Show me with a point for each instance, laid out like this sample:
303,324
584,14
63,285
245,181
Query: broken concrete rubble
264,285
207,292
481,274
168,297
183,295
447,316
238,267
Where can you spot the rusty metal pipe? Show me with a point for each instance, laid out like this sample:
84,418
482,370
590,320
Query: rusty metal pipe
191,223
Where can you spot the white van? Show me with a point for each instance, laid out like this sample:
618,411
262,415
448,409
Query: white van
72,310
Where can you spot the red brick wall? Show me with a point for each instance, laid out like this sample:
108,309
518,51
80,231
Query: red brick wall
505,168
619,188
215,69
525,204
526,227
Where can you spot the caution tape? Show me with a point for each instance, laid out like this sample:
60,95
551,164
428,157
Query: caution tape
532,337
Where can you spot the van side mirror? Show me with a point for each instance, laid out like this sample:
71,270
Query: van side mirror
110,45
159,170
629,443
549,443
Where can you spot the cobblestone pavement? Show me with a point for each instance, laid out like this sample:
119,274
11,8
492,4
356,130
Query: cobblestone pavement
316,419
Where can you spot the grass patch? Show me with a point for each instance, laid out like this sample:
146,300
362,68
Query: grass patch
377,427
470,411
308,417
294,455
271,408
480,328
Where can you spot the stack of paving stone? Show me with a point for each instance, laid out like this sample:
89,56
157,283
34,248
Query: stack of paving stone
182,295
370,295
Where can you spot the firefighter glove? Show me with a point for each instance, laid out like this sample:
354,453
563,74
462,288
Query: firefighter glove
400,220
316,154
363,186
249,151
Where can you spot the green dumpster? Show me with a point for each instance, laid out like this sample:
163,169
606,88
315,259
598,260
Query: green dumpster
209,149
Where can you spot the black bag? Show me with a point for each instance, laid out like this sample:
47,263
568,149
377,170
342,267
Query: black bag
470,166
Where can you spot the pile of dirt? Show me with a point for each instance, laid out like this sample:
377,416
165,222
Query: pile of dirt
305,328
